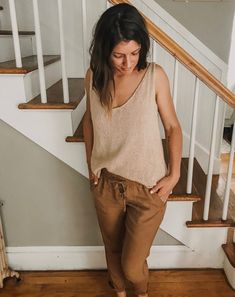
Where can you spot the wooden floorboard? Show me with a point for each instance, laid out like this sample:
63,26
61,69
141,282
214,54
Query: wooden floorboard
93,283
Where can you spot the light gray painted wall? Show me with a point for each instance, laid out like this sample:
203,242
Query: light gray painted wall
46,202
209,22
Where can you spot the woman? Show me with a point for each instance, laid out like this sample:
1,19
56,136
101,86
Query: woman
129,179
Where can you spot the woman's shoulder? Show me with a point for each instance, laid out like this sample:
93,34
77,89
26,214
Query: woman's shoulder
88,74
87,79
161,78
158,68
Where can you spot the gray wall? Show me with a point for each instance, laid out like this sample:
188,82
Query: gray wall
46,202
209,22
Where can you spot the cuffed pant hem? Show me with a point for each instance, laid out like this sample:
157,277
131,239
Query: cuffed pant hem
115,289
140,288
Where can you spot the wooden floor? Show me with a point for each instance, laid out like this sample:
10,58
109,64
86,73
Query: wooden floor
163,283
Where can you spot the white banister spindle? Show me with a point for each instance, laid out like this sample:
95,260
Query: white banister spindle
151,56
39,52
175,84
62,50
154,50
192,138
229,177
211,163
84,35
15,33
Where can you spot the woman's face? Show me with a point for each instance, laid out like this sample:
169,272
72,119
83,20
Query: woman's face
125,56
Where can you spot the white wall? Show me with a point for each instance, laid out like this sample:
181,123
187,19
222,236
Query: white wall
211,22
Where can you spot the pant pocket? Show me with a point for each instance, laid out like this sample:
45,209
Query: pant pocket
156,196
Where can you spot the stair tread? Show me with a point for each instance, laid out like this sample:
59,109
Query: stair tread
55,96
229,249
28,64
217,190
9,32
210,223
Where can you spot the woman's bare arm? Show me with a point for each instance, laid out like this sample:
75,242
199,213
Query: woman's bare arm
87,124
171,126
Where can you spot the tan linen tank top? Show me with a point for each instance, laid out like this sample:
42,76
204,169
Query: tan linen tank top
129,144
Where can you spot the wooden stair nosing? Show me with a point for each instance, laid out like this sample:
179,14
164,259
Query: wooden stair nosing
210,223
25,69
74,139
229,250
184,197
59,106
22,33
78,134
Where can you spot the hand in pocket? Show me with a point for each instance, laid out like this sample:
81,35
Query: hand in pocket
93,178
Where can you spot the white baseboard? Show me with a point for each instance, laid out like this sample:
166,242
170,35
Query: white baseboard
93,257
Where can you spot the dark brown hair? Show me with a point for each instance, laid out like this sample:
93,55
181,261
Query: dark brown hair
121,22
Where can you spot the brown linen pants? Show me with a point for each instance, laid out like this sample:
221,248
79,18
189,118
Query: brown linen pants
129,217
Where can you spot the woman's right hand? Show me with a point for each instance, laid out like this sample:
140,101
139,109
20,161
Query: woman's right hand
93,178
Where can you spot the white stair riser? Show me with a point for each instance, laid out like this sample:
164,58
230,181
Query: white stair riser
229,271
7,49
31,80
78,113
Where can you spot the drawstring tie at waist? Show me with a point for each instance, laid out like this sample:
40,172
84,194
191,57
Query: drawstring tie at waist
122,188
118,182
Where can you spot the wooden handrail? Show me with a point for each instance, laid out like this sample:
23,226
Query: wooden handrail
187,60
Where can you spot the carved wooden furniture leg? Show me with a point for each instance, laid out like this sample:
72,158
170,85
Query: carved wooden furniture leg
4,269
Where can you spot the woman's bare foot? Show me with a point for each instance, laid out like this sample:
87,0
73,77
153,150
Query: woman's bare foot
121,294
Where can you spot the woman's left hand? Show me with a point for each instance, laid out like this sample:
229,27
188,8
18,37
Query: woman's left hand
164,187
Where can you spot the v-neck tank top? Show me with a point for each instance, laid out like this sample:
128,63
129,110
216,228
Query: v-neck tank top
129,143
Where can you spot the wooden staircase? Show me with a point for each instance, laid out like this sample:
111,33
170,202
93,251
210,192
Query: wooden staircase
76,89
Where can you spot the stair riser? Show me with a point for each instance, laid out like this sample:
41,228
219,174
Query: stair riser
7,47
31,80
229,271
78,113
